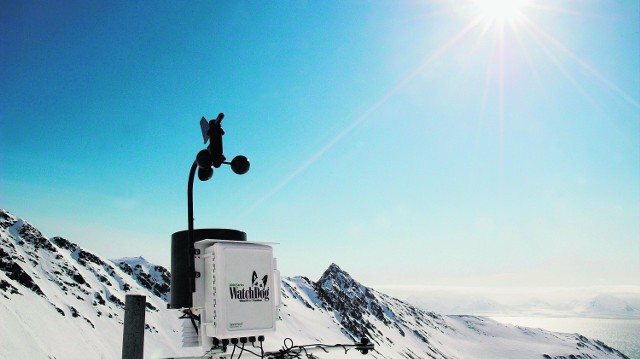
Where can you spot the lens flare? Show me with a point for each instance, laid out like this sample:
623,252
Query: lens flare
500,10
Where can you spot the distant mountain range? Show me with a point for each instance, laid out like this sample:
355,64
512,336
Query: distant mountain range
58,300
581,305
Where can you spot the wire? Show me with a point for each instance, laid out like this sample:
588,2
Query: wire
301,351
285,343
187,313
290,351
253,353
241,350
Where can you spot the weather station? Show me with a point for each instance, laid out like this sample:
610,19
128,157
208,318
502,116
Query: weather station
225,289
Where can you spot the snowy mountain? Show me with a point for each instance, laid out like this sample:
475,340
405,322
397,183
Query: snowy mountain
608,305
156,279
58,300
401,330
611,303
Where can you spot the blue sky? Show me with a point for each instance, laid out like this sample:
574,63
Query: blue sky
411,142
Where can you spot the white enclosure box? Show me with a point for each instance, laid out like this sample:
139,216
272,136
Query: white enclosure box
240,289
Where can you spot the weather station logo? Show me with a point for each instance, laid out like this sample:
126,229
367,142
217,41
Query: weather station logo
257,292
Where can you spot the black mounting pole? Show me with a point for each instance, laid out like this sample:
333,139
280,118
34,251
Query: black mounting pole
206,159
190,269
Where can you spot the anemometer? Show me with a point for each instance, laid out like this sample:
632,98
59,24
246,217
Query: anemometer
225,288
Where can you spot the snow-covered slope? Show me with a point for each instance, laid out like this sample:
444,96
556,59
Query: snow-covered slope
58,300
156,279
401,330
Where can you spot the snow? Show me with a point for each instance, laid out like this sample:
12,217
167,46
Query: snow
58,300
71,317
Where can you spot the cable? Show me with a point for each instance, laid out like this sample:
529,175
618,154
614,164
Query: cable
285,343
291,351
241,350
253,353
187,313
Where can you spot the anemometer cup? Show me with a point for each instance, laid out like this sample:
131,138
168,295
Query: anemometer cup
240,165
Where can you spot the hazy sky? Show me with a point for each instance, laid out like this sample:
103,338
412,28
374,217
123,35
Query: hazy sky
410,142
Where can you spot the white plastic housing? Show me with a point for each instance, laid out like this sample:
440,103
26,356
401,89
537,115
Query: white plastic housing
238,290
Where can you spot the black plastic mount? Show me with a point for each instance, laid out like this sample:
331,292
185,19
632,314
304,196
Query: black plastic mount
182,261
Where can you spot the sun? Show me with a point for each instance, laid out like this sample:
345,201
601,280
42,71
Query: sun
500,10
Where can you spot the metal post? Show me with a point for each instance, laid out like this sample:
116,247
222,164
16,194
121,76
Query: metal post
133,333
189,254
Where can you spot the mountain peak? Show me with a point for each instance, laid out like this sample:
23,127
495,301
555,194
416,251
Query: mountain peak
335,268
7,219
155,278
335,278
334,272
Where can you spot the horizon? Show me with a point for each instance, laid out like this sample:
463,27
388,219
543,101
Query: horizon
423,144
518,306
551,302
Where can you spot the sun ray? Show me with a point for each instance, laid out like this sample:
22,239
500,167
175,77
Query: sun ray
588,68
559,10
556,61
451,10
382,100
590,99
501,16
529,60
487,82
499,11
501,91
